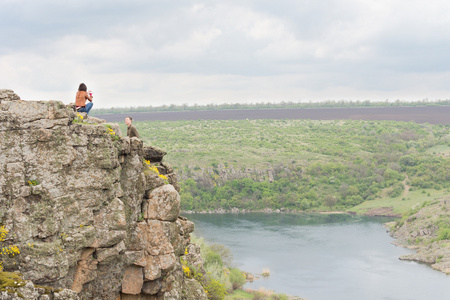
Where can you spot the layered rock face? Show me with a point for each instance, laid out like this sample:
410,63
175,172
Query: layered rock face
85,211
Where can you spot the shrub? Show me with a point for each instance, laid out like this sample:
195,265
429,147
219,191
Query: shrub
217,272
397,190
218,279
443,234
225,253
212,257
215,290
305,204
111,132
280,297
11,250
237,279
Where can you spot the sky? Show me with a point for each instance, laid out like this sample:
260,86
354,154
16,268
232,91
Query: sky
145,52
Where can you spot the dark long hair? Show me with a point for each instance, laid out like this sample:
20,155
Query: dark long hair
82,87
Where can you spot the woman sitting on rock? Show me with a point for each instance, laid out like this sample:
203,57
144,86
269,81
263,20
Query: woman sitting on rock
80,100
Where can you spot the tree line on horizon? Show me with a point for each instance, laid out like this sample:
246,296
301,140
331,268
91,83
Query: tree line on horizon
269,105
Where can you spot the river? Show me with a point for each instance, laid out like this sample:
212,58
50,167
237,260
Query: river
317,256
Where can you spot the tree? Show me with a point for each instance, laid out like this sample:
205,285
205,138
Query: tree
225,254
330,201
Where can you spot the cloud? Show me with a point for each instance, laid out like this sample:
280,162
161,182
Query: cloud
199,51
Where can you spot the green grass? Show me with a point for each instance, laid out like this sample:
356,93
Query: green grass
259,142
10,280
440,149
401,204
239,294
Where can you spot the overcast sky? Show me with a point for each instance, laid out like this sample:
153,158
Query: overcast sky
132,53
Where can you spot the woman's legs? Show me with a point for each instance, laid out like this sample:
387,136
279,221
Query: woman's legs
87,108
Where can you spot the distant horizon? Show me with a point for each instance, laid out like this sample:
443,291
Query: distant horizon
327,103
432,114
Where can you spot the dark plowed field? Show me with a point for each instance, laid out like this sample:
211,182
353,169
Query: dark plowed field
427,114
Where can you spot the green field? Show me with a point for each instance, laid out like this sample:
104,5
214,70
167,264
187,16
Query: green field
440,150
354,163
402,204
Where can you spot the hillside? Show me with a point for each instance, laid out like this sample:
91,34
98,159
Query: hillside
300,164
426,229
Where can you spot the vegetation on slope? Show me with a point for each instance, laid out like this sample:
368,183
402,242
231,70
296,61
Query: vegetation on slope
217,275
427,229
314,164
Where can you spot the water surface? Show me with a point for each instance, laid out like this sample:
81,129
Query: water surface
322,256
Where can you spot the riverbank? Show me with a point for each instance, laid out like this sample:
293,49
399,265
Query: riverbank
261,294
427,231
383,212
394,207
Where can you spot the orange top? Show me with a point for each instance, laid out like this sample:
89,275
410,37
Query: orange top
80,99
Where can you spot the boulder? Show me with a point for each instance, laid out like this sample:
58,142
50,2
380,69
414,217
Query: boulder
151,287
153,154
163,204
8,95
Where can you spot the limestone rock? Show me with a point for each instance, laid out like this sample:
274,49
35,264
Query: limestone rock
167,261
153,154
180,287
173,180
133,279
86,270
66,295
153,237
140,297
152,181
8,95
194,256
23,289
152,269
163,204
74,197
104,254
151,287
28,291
194,291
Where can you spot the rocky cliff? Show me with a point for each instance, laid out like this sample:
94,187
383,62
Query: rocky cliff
220,173
91,211
427,230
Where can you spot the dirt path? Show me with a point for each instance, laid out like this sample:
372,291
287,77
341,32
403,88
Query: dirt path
407,187
381,212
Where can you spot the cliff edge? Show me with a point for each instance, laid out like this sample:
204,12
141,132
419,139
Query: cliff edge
427,230
90,211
